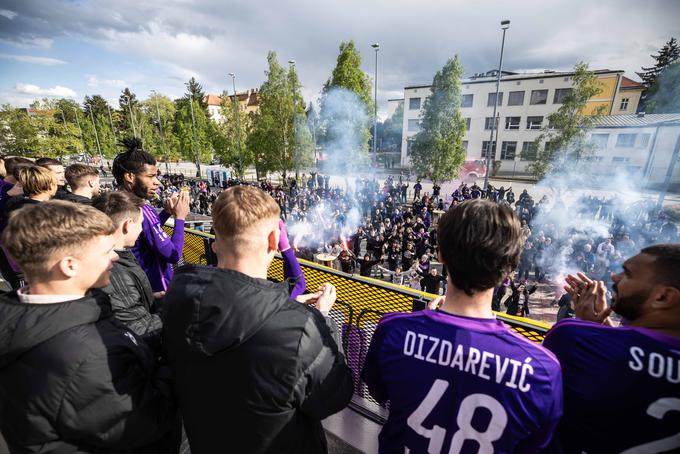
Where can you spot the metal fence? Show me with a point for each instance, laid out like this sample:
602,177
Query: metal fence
360,303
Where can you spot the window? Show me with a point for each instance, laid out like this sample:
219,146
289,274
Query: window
414,104
625,140
624,104
560,94
413,125
492,96
485,147
599,140
464,145
593,158
539,97
512,122
466,101
508,150
529,151
534,122
516,98
489,123
620,159
467,123
644,140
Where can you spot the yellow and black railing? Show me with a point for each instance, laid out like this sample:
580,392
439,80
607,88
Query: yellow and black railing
360,303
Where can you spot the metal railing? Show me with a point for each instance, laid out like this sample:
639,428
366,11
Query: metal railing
361,302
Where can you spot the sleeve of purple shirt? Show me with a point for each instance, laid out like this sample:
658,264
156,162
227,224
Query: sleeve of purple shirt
292,270
169,250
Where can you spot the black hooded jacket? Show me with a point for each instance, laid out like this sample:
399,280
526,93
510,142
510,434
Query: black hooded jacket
255,372
74,380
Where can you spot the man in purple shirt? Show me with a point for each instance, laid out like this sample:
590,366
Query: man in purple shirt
457,379
622,384
135,171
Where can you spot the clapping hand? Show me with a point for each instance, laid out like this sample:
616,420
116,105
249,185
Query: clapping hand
589,298
323,299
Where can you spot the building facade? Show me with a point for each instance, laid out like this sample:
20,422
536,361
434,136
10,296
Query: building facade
524,103
248,102
638,146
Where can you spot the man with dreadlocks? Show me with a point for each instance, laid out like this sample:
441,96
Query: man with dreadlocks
135,171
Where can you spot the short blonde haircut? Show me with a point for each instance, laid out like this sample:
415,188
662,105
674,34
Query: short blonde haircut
240,208
38,234
36,180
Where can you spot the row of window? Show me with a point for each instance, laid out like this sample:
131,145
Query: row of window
622,140
515,98
509,150
511,123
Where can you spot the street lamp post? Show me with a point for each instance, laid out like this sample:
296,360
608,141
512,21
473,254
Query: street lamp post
160,129
132,117
375,47
238,127
295,148
96,136
505,24
82,139
193,126
113,131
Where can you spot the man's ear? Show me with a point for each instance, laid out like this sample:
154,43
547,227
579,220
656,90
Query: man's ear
666,297
129,178
125,226
273,239
68,266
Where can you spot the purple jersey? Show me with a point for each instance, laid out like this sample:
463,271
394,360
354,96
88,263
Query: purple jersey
621,389
459,384
155,251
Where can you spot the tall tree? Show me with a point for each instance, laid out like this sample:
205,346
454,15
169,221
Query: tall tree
158,105
437,148
664,95
668,54
185,132
563,139
195,90
127,102
20,135
271,139
227,133
349,76
389,131
97,104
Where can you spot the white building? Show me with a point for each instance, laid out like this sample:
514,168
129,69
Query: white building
525,101
393,105
643,145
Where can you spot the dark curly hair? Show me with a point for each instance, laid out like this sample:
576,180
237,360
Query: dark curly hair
132,160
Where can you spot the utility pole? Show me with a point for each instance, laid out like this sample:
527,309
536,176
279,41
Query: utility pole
132,117
113,130
375,47
160,129
96,136
82,139
193,125
238,128
295,148
505,24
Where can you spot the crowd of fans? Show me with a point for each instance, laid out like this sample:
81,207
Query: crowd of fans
106,347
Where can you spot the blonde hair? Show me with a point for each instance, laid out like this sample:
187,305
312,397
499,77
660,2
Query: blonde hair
36,180
36,234
238,210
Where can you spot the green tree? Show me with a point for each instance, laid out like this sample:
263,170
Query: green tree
348,75
183,130
389,131
127,103
226,134
563,139
97,104
165,145
20,134
271,138
195,90
668,54
664,95
437,148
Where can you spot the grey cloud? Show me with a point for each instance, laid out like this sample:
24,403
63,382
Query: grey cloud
416,38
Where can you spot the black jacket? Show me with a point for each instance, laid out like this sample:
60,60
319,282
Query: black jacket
513,301
71,197
74,380
255,372
132,298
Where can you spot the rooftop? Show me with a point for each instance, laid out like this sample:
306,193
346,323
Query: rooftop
627,83
490,76
637,120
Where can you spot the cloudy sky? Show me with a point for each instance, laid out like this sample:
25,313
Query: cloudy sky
76,47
